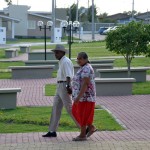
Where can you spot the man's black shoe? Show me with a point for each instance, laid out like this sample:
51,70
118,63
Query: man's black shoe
50,134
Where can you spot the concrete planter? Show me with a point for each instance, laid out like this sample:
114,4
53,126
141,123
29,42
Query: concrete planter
8,98
42,62
40,55
102,61
12,52
25,48
32,72
138,73
114,86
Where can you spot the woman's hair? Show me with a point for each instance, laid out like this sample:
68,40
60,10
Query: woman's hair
83,55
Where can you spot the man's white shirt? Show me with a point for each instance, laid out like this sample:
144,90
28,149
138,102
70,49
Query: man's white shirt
66,69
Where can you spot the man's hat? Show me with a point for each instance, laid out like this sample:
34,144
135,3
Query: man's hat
60,48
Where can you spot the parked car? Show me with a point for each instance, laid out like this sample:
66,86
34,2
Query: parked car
110,29
107,30
115,27
102,29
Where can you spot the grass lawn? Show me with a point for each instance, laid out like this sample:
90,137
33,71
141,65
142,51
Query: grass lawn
50,89
5,65
142,88
136,62
5,75
27,41
36,119
94,49
34,40
2,53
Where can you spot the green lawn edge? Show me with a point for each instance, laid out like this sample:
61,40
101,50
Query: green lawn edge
36,119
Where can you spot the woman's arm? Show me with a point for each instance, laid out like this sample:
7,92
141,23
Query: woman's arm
85,83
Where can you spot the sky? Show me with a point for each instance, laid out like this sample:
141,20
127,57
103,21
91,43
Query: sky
108,6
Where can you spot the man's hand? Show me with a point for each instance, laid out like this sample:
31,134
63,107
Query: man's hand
69,90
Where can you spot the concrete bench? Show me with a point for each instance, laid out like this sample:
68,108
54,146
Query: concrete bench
32,72
102,61
42,62
8,98
40,55
11,52
114,86
138,73
95,67
25,48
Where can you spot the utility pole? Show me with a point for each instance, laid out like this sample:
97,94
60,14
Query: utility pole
53,20
77,10
88,7
93,24
133,10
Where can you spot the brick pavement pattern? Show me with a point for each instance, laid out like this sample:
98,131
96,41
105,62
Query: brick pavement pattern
132,111
22,57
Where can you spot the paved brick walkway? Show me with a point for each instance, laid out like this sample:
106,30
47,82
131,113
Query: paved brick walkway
22,57
125,140
132,111
32,91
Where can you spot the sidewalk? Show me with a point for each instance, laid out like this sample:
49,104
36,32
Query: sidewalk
28,43
132,111
126,140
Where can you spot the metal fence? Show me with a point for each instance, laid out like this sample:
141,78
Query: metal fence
87,27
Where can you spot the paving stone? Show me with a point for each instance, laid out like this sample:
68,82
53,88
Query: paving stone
132,111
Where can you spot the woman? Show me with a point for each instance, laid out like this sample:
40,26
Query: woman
84,95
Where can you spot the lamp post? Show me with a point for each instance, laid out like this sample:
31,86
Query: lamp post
42,26
70,27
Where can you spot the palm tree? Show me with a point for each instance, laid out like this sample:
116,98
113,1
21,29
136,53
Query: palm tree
9,2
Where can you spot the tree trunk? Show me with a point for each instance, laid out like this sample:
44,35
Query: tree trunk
128,65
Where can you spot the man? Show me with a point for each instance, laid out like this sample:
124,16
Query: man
62,98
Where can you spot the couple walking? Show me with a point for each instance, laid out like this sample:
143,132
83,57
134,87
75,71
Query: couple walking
80,88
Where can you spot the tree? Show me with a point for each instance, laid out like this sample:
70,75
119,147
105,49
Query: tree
71,12
90,13
103,18
135,13
9,2
130,40
83,14
103,15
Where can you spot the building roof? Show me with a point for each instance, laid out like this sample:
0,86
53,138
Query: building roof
144,16
118,16
9,18
46,17
40,12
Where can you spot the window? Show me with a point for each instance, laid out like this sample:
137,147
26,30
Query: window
31,24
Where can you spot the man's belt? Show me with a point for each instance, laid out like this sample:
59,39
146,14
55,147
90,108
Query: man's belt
61,81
